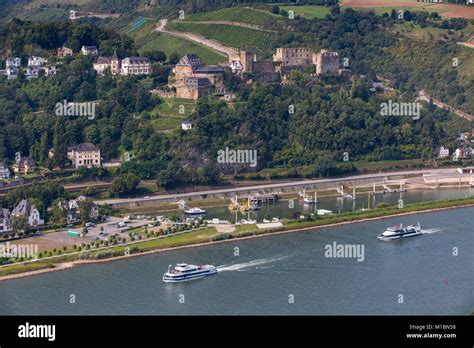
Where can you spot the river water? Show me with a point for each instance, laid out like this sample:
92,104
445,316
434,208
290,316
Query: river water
285,274
282,208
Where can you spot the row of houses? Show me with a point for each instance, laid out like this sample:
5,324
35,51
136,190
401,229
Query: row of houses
22,166
85,51
33,69
83,155
124,67
460,152
24,208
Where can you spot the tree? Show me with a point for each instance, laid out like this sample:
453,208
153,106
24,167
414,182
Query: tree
59,144
124,183
170,177
20,224
85,208
156,56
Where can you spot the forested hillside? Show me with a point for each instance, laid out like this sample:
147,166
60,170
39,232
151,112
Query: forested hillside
328,119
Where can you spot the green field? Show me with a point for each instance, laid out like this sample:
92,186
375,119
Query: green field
233,14
414,31
229,35
167,115
308,11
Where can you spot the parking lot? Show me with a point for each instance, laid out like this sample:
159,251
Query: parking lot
57,240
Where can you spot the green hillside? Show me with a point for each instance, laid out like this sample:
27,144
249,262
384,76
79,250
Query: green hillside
176,45
232,36
234,14
308,11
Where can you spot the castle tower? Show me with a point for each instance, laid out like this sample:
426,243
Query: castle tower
246,59
115,64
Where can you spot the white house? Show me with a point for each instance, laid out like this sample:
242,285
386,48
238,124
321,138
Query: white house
27,209
186,125
84,155
49,71
136,66
89,50
12,65
32,71
4,171
36,61
443,152
14,62
5,220
73,209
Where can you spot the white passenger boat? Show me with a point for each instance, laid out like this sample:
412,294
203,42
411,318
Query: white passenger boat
400,231
184,272
194,211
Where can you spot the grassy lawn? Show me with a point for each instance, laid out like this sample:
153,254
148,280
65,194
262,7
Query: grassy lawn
233,14
229,35
308,11
194,237
245,228
168,115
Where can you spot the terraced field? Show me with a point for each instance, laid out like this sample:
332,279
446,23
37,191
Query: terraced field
386,6
233,14
231,36
176,45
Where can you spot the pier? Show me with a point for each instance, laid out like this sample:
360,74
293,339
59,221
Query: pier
268,192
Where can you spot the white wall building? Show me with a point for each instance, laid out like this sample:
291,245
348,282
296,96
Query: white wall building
4,171
443,152
30,211
14,62
136,66
36,61
89,50
84,155
5,220
186,125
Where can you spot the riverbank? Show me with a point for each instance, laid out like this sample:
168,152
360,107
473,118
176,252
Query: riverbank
199,238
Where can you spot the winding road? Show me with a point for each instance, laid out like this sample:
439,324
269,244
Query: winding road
228,51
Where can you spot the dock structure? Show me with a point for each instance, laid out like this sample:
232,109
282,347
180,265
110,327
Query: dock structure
282,187
263,198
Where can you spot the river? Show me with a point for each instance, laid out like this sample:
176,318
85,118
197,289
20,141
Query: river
282,275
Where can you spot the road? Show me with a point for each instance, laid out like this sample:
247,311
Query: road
235,24
422,95
269,187
161,27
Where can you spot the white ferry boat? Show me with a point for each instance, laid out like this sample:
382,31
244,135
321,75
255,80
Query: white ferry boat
194,211
400,231
184,272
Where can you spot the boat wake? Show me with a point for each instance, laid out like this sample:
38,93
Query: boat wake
250,264
431,230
